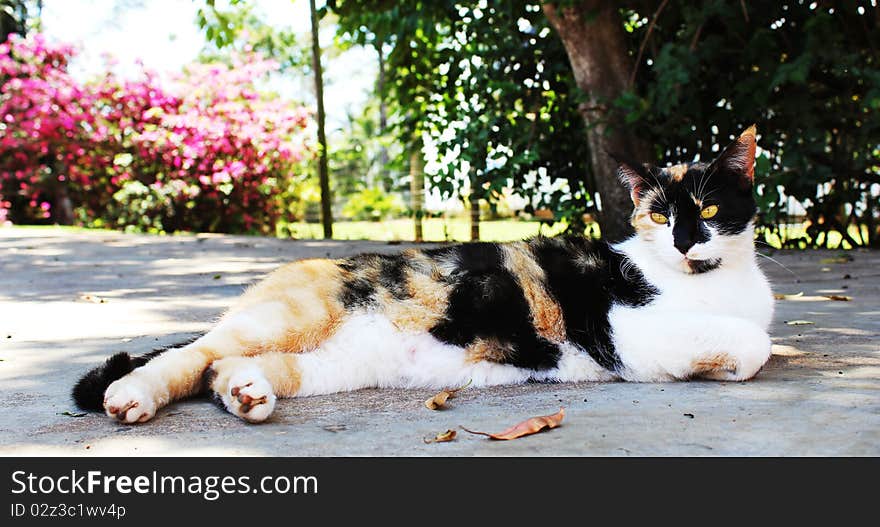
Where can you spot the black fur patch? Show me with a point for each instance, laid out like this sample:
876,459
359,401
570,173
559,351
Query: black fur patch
392,276
587,279
360,289
704,266
208,387
357,292
88,392
487,302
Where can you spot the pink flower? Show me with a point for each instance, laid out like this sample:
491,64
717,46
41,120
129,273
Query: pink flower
211,127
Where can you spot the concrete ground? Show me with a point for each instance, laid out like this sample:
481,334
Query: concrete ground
69,300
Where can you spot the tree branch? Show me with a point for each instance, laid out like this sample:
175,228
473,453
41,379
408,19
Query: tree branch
632,76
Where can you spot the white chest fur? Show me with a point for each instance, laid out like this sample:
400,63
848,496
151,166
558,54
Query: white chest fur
737,289
695,320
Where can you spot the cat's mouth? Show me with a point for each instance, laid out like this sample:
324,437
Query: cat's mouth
702,266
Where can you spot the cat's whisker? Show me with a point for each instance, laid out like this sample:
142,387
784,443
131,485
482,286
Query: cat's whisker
658,187
778,263
705,181
703,198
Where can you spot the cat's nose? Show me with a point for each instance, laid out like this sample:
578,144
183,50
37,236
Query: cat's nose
683,244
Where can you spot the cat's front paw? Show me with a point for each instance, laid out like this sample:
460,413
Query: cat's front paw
128,400
739,365
250,396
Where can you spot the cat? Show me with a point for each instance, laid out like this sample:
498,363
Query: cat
682,298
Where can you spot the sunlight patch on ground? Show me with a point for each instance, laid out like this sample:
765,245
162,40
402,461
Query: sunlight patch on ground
435,229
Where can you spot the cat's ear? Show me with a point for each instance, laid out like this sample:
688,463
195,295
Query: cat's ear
632,175
633,181
739,157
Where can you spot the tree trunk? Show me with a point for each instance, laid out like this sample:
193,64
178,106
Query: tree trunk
323,172
62,206
13,19
417,187
383,117
474,200
592,33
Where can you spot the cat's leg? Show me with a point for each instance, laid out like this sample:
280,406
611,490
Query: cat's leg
367,351
657,346
293,309
178,373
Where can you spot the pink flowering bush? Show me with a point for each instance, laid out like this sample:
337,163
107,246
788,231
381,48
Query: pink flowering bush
208,152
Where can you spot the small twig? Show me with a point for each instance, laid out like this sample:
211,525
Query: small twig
632,76
696,38
742,3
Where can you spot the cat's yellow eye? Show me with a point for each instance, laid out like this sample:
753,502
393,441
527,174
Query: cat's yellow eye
709,212
656,217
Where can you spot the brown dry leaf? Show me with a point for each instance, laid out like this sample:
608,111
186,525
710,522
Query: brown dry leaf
443,437
439,400
527,427
839,298
780,296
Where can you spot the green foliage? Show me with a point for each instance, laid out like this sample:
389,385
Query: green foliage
355,154
239,27
806,73
141,208
490,86
372,204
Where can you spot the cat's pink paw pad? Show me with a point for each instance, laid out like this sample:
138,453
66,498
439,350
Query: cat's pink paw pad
250,398
128,402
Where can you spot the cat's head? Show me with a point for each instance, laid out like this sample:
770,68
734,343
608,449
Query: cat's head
695,217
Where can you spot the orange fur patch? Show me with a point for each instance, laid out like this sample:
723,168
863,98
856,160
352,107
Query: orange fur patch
281,370
641,215
490,350
546,313
426,306
677,171
309,290
717,362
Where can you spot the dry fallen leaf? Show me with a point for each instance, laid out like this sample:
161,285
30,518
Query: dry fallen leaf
811,298
780,296
527,427
839,298
800,322
444,437
68,413
439,400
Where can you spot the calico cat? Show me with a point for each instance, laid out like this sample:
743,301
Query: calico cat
683,298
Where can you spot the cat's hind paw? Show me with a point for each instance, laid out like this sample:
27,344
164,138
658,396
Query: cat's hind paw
250,396
128,401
